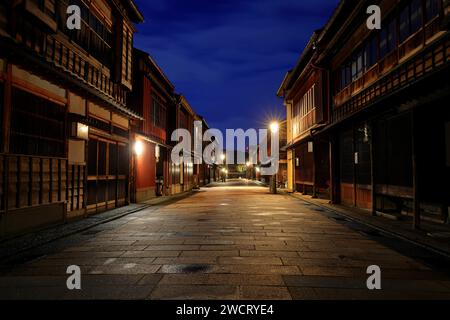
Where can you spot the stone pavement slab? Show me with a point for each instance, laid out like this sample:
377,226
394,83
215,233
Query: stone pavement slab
229,242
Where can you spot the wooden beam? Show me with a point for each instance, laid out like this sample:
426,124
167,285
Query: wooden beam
50,181
314,193
30,181
331,171
7,106
415,169
354,165
41,180
372,170
18,181
5,183
334,169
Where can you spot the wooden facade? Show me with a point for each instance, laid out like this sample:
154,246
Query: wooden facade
387,88
183,174
153,99
304,90
202,172
64,120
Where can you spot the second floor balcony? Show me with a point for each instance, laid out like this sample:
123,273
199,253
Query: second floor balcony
433,58
52,52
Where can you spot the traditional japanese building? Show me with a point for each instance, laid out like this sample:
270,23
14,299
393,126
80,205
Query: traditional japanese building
388,124
64,120
153,99
182,174
202,172
304,90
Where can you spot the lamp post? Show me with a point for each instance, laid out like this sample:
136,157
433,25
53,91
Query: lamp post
274,127
224,169
248,172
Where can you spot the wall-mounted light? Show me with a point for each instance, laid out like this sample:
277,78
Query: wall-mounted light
366,133
157,152
310,146
258,170
82,131
138,148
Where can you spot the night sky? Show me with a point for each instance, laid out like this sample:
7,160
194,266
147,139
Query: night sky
228,57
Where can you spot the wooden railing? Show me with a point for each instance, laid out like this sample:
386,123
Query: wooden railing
305,122
69,60
434,56
28,181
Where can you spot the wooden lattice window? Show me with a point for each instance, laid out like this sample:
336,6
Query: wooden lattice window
95,36
158,113
37,126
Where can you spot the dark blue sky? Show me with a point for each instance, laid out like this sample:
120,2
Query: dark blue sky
228,57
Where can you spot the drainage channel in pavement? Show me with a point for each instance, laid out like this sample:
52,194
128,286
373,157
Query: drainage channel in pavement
195,268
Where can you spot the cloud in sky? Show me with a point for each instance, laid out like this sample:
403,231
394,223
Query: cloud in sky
229,57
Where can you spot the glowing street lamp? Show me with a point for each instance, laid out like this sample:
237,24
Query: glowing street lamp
274,127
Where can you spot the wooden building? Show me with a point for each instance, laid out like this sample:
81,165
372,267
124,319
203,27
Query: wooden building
153,99
64,120
304,90
202,172
388,125
183,117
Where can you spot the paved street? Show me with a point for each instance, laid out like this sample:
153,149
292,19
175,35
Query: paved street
226,242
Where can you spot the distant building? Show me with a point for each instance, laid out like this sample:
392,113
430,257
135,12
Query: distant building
162,111
153,99
203,172
183,174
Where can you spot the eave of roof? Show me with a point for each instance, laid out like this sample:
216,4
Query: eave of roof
138,16
152,61
293,75
280,92
350,10
182,100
